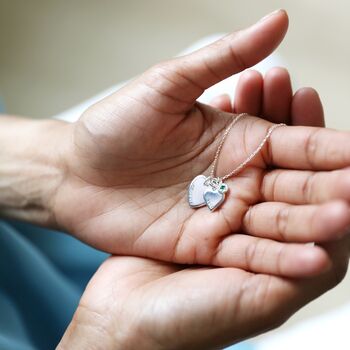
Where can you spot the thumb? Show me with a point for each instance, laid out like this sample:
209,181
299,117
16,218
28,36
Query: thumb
188,76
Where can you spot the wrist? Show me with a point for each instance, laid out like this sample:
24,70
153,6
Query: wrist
32,166
88,330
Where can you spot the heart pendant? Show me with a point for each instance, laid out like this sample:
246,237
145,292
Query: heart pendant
214,198
206,191
196,191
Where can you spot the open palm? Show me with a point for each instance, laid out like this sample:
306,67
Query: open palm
132,156
135,303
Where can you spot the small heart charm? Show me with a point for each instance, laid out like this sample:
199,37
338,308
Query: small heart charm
196,191
213,198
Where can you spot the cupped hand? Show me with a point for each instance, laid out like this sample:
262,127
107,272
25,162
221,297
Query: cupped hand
131,157
271,97
135,303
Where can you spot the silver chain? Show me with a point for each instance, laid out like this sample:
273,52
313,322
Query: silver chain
251,156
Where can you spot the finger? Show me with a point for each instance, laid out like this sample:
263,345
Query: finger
222,102
305,187
307,108
277,95
297,223
249,91
261,255
286,296
185,78
289,147
298,147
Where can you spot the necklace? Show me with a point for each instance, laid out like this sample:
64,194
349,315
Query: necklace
211,190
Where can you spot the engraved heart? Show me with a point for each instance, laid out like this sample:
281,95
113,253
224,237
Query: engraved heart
196,191
213,198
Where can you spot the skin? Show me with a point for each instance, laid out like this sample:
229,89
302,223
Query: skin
146,304
117,179
271,97
133,155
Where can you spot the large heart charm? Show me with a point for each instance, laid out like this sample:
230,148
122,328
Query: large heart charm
196,191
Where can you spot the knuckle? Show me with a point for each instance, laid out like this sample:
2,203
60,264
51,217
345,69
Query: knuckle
160,71
250,255
307,188
255,256
237,59
248,221
157,70
280,258
269,185
310,146
282,219
160,66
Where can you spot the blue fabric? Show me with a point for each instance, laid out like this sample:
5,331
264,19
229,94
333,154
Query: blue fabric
42,276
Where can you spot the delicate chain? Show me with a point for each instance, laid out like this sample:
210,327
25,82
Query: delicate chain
252,155
218,151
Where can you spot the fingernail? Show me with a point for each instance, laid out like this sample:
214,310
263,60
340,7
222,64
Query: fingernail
271,14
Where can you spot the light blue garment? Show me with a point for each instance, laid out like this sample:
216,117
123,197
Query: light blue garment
42,276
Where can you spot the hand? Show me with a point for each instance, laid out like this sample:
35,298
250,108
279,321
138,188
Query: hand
271,97
132,156
134,303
